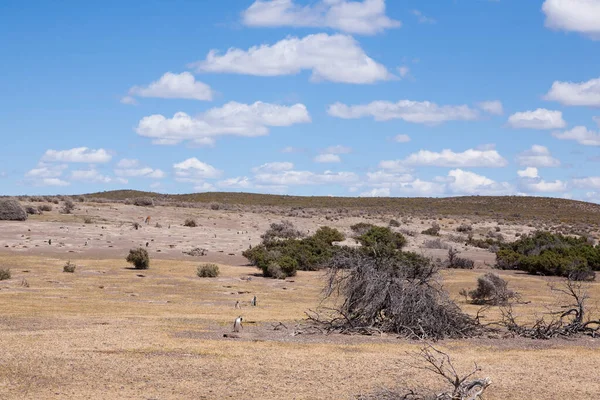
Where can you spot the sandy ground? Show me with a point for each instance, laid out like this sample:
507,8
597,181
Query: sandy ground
107,331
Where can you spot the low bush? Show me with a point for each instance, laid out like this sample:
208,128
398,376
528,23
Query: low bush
464,228
69,267
67,207
45,207
139,258
281,230
361,228
328,235
88,220
436,244
208,271
31,210
456,262
394,223
434,230
4,274
492,290
143,202
190,222
379,238
11,210
544,253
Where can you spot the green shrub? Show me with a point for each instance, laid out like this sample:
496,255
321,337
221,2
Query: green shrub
273,270
139,258
69,267
544,253
361,228
208,271
379,238
4,274
328,235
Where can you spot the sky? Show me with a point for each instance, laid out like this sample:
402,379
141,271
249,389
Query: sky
323,97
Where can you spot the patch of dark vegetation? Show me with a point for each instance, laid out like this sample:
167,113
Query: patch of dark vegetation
385,289
491,290
544,253
68,207
190,222
139,258
88,220
394,223
361,228
436,244
434,230
31,210
4,274
69,267
282,251
11,210
208,271
464,228
143,202
454,261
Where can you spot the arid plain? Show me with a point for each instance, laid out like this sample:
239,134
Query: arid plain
108,331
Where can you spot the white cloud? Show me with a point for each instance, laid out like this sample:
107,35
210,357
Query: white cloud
402,138
365,17
529,172
537,156
78,155
174,86
381,192
128,163
576,94
467,182
231,119
580,16
339,149
538,119
273,167
46,171
448,158
327,158
128,100
204,187
387,179
144,172
403,71
492,107
592,182
52,182
288,178
423,112
538,185
423,19
90,175
292,149
581,135
235,183
335,58
194,169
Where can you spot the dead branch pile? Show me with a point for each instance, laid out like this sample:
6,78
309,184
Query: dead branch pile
570,321
395,292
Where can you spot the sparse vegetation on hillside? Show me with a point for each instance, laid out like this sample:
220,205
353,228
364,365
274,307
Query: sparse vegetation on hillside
190,222
208,271
4,274
69,267
67,207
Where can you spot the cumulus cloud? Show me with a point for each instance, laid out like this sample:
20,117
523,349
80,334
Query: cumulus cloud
529,172
538,119
580,16
51,182
274,167
492,107
538,185
335,58
592,182
537,156
327,158
365,17
77,155
449,158
46,171
576,94
231,119
194,169
423,112
128,163
402,138
90,175
242,182
174,86
145,172
581,135
467,182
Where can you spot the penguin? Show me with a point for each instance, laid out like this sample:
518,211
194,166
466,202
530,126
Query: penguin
237,304
237,325
253,302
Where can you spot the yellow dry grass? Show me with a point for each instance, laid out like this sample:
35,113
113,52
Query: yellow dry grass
106,333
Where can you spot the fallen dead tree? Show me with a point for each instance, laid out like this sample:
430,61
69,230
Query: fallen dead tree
571,320
462,387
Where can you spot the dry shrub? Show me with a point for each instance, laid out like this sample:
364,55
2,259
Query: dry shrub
492,290
45,207
143,202
88,220
281,231
69,267
190,222
31,210
4,274
464,228
436,244
454,261
434,230
208,271
139,258
392,291
11,210
394,223
67,207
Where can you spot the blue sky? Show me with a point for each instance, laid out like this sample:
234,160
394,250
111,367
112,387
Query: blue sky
320,97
